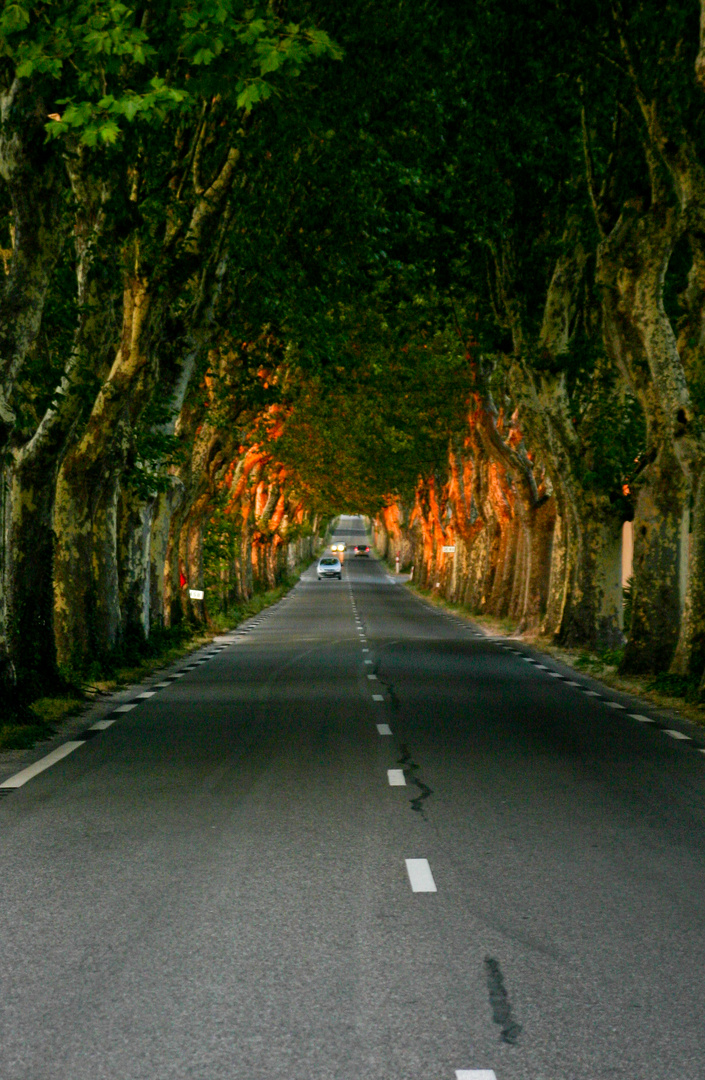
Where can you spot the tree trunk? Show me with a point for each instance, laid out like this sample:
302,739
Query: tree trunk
87,611
135,520
632,263
656,601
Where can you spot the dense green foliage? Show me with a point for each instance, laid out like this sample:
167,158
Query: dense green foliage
267,263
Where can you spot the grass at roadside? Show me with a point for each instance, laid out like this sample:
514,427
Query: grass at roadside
664,691
44,715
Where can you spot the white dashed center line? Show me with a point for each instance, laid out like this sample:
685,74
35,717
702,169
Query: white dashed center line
101,725
396,778
554,674
21,778
573,684
474,1074
147,693
126,708
613,705
675,734
591,693
368,661
384,729
420,875
161,685
378,697
641,719
372,677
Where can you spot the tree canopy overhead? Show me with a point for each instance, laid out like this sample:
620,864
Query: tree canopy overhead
266,263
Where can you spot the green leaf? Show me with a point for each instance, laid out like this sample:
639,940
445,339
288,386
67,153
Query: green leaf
249,96
14,18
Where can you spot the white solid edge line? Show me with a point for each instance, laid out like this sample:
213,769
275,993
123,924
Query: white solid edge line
642,719
126,708
475,1074
378,697
396,778
675,734
101,725
384,729
420,876
21,778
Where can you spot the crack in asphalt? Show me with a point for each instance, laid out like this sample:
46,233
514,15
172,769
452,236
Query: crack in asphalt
499,1001
409,768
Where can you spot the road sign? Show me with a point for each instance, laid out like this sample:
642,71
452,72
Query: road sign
196,594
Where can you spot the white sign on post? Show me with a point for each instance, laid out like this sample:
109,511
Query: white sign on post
448,549
196,594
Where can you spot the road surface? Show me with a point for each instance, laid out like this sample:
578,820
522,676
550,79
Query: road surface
358,840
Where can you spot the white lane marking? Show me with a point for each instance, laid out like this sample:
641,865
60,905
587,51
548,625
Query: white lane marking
642,719
178,675
574,684
160,685
147,693
101,725
396,778
542,667
126,708
420,875
554,674
475,1074
528,660
21,778
675,734
591,693
613,705
368,661
365,650
372,677
384,729
701,750
378,697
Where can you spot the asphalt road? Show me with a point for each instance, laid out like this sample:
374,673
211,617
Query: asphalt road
217,884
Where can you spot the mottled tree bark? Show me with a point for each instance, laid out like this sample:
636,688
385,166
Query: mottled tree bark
632,263
87,612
